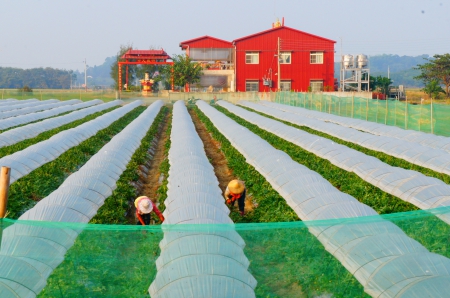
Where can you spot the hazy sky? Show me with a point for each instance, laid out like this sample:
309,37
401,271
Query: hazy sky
61,33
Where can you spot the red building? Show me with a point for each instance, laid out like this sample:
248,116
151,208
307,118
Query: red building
279,58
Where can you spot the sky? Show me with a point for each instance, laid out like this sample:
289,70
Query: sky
61,34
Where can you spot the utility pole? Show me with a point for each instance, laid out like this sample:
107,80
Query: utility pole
85,77
279,73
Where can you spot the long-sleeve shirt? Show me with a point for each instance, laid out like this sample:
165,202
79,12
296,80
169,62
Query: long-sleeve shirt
241,200
155,209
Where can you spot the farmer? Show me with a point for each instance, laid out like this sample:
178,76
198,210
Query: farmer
236,192
144,206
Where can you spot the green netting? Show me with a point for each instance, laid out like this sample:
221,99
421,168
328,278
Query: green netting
285,258
429,118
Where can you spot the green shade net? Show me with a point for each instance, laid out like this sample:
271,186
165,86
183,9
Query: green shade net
429,118
285,258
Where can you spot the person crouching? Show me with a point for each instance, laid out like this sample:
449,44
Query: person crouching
144,207
236,192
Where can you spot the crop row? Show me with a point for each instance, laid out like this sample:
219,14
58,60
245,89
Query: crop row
76,200
9,123
42,107
21,133
432,158
28,190
312,197
410,186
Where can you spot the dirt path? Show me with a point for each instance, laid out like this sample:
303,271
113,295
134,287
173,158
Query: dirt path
149,172
216,157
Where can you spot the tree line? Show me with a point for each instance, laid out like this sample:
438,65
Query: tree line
40,78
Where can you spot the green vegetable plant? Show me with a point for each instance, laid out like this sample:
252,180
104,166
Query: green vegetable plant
164,168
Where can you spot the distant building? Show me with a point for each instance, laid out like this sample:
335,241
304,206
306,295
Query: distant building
250,63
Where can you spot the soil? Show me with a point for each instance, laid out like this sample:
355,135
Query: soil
217,159
149,174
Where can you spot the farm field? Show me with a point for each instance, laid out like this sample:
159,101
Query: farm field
334,208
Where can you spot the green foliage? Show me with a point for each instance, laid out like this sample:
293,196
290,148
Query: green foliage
164,168
436,69
347,182
4,151
183,71
115,67
433,89
116,206
16,78
380,83
25,192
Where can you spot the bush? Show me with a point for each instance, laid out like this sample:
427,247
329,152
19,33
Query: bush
25,89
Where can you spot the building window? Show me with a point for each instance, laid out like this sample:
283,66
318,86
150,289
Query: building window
252,58
251,86
316,86
285,58
285,85
316,57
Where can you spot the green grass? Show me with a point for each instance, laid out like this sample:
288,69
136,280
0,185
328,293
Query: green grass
8,150
347,182
28,190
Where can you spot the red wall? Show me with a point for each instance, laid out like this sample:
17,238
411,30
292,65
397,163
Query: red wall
207,42
300,71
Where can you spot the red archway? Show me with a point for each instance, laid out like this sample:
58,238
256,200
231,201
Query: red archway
155,57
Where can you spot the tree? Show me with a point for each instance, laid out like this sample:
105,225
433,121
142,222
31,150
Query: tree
433,89
115,67
183,71
380,83
436,69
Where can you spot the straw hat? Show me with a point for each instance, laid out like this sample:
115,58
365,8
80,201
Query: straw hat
236,186
145,206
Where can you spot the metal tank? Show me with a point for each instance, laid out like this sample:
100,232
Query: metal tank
348,61
361,60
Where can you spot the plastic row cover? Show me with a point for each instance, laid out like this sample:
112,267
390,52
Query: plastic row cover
30,253
24,162
380,256
436,159
38,108
12,101
411,186
206,263
19,134
426,139
24,119
27,104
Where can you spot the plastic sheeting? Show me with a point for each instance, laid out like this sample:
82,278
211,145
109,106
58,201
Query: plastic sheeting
27,104
24,119
411,186
380,256
19,134
208,263
29,253
38,108
24,162
435,159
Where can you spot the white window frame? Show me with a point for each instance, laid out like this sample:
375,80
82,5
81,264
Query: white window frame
250,58
283,85
316,57
316,85
285,58
252,82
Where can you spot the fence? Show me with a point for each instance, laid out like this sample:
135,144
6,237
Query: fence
430,118
228,96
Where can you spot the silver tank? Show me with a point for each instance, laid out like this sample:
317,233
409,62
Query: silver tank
361,60
348,61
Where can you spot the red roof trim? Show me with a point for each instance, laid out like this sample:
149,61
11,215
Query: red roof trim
279,28
184,43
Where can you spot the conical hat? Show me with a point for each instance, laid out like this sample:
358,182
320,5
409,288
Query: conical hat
236,186
145,206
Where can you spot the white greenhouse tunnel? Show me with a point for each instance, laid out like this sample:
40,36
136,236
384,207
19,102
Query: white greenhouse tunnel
435,159
18,134
210,262
24,271
379,254
411,186
27,104
38,108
